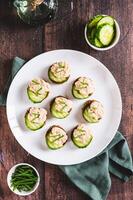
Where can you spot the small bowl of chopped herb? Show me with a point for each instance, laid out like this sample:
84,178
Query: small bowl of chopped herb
102,32
23,179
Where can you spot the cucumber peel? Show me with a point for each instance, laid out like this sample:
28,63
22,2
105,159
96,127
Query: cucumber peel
97,43
105,34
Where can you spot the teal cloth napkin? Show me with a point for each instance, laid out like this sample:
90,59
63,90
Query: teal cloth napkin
93,176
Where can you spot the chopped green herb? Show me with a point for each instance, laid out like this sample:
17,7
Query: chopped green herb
36,83
24,178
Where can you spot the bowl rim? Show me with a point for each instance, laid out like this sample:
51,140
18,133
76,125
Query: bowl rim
116,39
10,172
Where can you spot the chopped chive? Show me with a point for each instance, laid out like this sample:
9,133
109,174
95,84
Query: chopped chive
24,178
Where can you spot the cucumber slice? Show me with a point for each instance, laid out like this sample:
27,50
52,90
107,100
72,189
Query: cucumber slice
105,34
77,95
92,111
97,43
88,117
36,98
57,140
94,21
52,145
91,35
82,88
106,20
81,145
55,79
32,126
59,72
56,113
36,90
79,141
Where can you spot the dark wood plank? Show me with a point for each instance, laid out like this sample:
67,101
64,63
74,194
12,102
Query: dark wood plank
69,33
12,153
16,39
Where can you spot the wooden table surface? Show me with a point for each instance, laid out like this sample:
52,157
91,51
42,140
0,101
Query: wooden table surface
18,39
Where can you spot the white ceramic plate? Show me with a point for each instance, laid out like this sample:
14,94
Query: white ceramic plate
106,91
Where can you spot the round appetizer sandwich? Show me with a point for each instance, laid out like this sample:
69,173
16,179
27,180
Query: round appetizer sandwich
56,137
61,107
93,111
81,136
35,118
59,72
38,90
82,88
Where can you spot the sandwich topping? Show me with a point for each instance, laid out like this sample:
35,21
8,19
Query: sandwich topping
60,69
96,109
39,86
84,86
37,115
58,136
82,134
62,104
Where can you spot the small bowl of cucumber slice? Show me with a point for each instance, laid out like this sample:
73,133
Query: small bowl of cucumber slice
102,32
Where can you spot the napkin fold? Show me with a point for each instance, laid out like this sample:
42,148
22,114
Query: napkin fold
93,176
16,65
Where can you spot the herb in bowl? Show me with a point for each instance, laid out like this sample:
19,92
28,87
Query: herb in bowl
24,178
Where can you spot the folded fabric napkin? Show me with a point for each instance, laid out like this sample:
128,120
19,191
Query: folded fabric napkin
93,176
